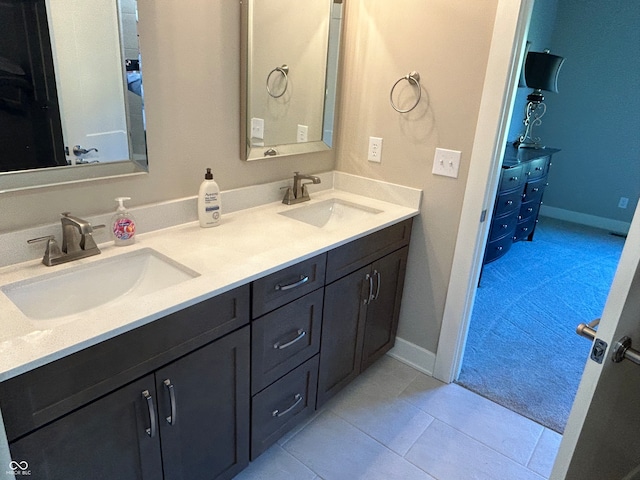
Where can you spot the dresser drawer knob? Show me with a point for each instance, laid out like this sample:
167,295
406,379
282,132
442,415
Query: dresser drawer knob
499,248
504,225
536,189
529,209
525,229
509,202
514,179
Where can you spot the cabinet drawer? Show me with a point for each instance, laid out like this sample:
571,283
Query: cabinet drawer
502,226
528,210
280,407
508,202
354,255
525,227
285,338
497,248
537,168
511,178
534,190
37,397
288,284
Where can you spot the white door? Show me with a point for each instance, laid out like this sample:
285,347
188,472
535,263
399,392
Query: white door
602,437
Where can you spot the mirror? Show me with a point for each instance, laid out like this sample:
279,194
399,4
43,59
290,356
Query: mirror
289,69
71,97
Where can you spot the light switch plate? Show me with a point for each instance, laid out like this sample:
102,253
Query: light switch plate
446,162
257,128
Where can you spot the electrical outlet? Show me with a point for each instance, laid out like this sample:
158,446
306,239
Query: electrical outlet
623,203
375,149
257,128
446,162
303,133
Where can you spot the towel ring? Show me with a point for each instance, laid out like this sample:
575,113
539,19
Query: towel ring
412,77
284,70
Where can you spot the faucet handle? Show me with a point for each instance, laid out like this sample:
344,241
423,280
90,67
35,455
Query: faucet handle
288,196
52,251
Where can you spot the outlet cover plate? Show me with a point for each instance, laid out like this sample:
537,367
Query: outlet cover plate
375,149
446,162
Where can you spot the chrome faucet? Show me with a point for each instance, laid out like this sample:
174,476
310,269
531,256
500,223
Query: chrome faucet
77,241
299,193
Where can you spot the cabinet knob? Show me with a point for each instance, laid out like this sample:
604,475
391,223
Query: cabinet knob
536,189
515,179
509,202
525,229
504,225
499,248
529,209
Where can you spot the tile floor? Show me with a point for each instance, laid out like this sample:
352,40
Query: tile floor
394,422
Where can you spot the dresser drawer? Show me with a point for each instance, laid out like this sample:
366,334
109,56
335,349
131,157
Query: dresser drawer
537,168
354,255
285,338
502,226
280,407
534,190
508,202
528,210
287,284
525,228
512,178
497,248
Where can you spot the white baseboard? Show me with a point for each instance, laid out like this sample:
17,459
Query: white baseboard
615,226
417,357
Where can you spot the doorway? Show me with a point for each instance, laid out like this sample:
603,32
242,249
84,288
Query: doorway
472,235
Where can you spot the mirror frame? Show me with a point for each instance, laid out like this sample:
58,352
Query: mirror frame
30,179
259,153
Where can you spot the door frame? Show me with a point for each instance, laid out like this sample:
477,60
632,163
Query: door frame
506,56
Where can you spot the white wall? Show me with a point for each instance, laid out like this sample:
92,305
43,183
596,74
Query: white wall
447,42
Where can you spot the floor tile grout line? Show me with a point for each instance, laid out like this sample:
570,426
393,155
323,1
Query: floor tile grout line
535,447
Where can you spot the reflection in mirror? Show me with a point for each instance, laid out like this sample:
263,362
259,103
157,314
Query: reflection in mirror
288,76
71,97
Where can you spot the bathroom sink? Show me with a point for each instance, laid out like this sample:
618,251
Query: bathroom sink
330,213
84,287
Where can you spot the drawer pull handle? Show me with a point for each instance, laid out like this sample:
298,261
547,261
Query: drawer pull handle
151,431
301,333
297,399
171,419
367,300
377,274
303,279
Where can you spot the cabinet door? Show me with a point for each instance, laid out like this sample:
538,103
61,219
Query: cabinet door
106,439
342,333
203,407
383,310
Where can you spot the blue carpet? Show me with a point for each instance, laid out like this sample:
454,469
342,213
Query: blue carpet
522,350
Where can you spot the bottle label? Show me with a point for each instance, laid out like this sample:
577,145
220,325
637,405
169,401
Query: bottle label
124,228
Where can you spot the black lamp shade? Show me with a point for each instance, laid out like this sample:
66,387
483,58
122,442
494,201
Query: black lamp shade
541,71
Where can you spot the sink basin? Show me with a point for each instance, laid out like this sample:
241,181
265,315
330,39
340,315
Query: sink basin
330,213
82,288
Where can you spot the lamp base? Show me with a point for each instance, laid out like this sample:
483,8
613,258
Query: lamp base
534,145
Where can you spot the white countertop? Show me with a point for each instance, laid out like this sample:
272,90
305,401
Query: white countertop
248,244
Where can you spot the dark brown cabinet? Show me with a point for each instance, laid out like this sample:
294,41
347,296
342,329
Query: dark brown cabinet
362,308
515,212
197,394
188,419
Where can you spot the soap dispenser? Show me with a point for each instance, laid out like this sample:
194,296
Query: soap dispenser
209,205
123,224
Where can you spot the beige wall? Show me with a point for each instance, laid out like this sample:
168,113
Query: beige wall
190,51
191,72
447,42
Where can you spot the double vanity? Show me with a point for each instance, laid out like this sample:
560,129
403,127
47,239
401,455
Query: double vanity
188,354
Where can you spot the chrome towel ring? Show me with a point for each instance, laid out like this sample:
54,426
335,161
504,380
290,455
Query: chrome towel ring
284,70
414,78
